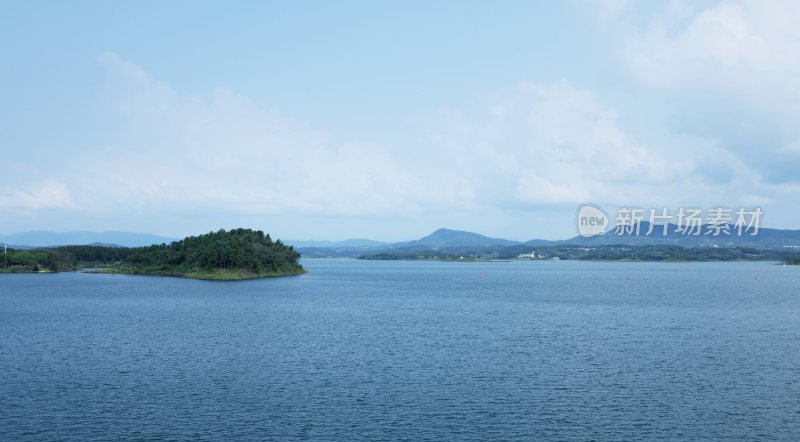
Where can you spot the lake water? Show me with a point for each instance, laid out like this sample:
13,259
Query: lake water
406,351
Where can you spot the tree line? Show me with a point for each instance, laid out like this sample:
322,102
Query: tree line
245,250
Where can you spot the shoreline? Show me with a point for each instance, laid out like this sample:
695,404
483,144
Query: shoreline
204,276
225,275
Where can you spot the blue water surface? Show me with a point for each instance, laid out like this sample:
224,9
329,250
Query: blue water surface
378,350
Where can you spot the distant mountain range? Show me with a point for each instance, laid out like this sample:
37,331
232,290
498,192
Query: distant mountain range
457,242
47,239
442,239
446,241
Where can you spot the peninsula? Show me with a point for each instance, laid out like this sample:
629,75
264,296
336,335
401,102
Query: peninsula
221,255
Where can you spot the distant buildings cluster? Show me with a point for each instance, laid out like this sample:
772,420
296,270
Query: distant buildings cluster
535,256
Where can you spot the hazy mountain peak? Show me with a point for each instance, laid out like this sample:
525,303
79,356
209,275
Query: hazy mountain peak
444,237
41,238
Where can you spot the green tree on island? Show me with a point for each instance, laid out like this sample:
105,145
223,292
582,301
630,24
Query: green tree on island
234,254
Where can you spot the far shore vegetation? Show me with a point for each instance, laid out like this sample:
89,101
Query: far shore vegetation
222,255
648,253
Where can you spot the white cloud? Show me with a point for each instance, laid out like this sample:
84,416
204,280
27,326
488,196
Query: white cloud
537,145
546,143
610,9
228,154
743,48
48,194
730,74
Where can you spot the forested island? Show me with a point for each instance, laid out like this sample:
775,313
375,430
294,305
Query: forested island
222,255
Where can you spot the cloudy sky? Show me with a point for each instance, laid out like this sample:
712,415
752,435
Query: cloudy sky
332,120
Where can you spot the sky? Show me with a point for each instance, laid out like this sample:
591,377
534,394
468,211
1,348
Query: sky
387,120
